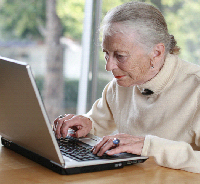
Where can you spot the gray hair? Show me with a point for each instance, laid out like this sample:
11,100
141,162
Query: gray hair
144,19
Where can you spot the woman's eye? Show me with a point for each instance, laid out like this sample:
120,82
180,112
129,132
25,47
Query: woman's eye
120,57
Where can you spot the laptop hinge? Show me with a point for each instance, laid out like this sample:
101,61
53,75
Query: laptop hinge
63,164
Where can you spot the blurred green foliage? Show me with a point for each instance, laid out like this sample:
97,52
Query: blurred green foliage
71,13
26,19
22,19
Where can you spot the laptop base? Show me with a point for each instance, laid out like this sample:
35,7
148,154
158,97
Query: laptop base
58,169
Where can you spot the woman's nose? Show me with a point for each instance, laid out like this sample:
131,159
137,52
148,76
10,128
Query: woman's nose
110,64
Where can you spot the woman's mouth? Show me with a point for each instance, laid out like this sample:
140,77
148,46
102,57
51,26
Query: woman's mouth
119,76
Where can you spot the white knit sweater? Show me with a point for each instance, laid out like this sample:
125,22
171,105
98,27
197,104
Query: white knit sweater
169,118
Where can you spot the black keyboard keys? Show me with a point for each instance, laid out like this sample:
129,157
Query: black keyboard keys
77,150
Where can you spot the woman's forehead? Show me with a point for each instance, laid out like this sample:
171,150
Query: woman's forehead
118,42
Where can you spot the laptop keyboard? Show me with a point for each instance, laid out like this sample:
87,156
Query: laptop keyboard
79,151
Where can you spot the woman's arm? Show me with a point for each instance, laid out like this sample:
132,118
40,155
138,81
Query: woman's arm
172,154
98,120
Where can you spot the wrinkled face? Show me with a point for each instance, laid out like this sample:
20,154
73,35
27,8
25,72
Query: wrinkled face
126,59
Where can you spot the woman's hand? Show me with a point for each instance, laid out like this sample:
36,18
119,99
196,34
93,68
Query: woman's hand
128,143
80,124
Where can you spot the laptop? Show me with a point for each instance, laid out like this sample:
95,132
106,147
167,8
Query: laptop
26,129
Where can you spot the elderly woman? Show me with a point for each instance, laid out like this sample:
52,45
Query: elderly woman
153,100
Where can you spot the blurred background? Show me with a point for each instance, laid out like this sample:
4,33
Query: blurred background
61,41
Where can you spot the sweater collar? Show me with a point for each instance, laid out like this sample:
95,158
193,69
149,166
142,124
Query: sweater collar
160,81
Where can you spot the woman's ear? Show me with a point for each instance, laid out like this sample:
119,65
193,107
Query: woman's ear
158,54
159,50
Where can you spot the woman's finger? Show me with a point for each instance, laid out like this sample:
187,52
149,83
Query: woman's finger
59,123
80,124
131,147
108,141
107,146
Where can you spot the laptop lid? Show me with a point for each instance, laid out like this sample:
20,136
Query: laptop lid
23,118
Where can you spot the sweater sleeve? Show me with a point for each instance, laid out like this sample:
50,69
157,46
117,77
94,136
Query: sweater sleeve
172,154
101,115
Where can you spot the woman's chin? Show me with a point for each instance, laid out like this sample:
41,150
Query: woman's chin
125,83
122,83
